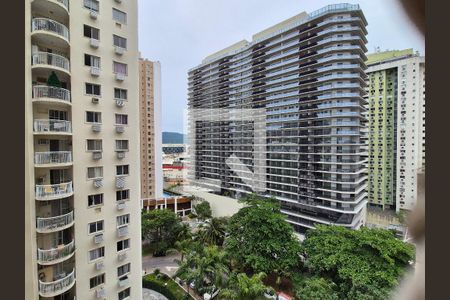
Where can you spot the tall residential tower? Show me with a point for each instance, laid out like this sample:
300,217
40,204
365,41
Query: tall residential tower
82,202
307,74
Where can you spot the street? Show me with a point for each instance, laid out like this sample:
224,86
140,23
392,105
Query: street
165,264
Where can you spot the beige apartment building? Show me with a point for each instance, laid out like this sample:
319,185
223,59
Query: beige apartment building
82,202
150,122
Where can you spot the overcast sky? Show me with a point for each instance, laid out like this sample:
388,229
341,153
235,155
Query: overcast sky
180,33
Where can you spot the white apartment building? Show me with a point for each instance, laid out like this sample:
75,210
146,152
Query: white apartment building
82,203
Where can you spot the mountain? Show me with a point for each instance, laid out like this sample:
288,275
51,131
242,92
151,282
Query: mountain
173,138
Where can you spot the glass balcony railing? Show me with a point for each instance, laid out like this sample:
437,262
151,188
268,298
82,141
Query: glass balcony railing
55,255
52,126
49,25
57,287
45,91
54,191
54,223
50,59
52,157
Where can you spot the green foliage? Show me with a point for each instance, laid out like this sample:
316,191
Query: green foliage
164,285
213,232
260,239
365,263
53,80
316,288
162,228
242,287
203,210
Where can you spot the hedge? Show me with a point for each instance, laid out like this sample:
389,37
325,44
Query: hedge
172,291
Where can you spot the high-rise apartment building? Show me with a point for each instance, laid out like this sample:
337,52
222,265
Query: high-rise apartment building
82,203
150,127
307,72
396,140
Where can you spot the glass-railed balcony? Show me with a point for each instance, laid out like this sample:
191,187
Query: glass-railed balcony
52,158
54,191
44,225
55,255
52,126
342,104
282,103
57,287
50,59
50,93
51,26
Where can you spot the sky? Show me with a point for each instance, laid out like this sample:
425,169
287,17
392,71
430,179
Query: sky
180,33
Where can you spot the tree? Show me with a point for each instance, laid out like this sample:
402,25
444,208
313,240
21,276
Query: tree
317,288
365,263
53,80
260,239
161,227
242,287
203,210
213,232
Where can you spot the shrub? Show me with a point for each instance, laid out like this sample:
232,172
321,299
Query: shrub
164,285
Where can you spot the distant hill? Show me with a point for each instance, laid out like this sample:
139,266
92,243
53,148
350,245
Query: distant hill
173,138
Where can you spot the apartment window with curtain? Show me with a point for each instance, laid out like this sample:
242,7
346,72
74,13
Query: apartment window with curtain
91,60
119,41
121,119
119,68
123,245
124,294
94,145
121,145
95,200
92,5
92,89
91,32
122,195
122,170
120,94
95,227
96,253
93,117
94,172
97,280
123,270
119,16
123,220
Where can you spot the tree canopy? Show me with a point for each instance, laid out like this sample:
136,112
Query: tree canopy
203,210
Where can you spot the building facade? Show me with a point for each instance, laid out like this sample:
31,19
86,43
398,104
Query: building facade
396,140
82,203
307,73
150,126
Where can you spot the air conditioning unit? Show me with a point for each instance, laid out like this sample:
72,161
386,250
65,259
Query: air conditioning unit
122,256
96,127
120,102
119,50
100,293
120,154
98,238
95,100
122,231
120,76
120,129
99,265
120,182
94,43
98,182
121,205
124,281
93,14
97,155
119,1
95,71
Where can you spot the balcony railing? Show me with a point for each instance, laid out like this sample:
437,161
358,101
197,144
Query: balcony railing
45,91
50,26
51,59
52,157
65,3
45,192
52,126
54,223
46,256
53,288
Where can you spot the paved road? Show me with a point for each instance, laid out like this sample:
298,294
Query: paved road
152,295
165,264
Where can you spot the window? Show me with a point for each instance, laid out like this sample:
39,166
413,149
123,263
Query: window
97,280
119,41
122,245
91,60
93,89
94,145
121,119
91,32
119,68
123,220
124,294
120,94
95,226
96,253
94,200
122,270
91,5
122,145
119,16
94,172
93,117
122,170
122,195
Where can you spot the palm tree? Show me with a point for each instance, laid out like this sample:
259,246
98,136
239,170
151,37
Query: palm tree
213,232
242,287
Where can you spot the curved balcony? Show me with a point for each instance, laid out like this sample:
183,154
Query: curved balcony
48,30
52,224
54,61
54,191
55,255
53,158
52,127
57,287
51,94
57,6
